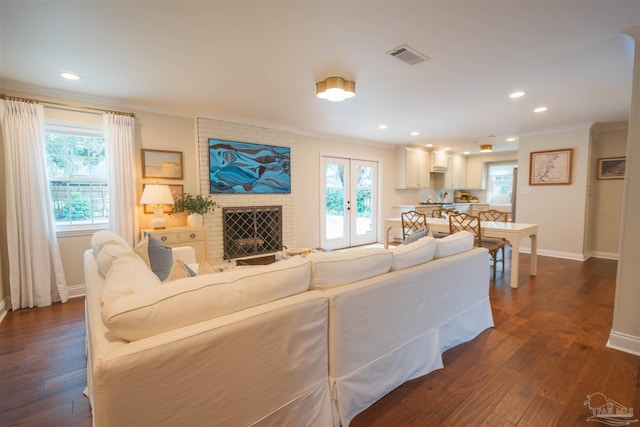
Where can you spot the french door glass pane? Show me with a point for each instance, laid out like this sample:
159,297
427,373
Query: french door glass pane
334,201
364,193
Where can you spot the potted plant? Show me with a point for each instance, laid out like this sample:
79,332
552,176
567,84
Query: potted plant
195,206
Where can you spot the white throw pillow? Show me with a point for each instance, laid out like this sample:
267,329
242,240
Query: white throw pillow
418,252
455,243
187,301
330,269
108,253
103,237
128,275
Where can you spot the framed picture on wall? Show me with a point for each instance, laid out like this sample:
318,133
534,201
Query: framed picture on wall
612,167
161,164
550,167
176,192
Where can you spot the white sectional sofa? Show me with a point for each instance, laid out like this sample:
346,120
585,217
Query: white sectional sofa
302,342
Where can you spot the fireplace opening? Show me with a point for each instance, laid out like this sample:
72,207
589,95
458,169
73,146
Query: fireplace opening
251,231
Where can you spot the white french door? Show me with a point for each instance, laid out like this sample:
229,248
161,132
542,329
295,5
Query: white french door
348,202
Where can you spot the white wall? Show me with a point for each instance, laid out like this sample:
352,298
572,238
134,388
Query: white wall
308,200
559,210
605,196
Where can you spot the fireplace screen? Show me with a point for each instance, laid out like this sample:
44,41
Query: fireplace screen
250,231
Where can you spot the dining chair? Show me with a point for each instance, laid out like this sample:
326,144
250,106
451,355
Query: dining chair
471,223
497,216
412,221
436,213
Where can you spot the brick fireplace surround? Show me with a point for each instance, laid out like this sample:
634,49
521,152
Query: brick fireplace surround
209,128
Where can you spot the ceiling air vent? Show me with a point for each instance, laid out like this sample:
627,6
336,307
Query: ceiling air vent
407,54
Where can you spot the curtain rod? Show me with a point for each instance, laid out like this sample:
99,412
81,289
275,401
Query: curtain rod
59,104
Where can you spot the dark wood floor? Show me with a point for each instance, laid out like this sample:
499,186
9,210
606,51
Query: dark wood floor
535,368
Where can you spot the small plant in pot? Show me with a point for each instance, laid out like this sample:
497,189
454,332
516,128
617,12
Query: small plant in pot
195,207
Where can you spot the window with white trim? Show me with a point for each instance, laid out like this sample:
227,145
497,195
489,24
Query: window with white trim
500,183
78,176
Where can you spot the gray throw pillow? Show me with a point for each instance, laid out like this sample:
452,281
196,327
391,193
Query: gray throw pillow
418,234
160,258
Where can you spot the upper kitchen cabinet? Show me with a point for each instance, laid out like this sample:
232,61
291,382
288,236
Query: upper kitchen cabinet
439,161
475,169
456,176
413,167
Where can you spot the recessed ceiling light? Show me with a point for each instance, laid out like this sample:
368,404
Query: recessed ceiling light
383,127
428,145
466,152
540,109
70,76
517,94
511,139
447,149
415,133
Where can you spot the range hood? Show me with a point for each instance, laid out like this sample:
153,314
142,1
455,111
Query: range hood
439,169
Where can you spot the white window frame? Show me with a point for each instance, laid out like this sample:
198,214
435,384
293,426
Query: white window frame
86,129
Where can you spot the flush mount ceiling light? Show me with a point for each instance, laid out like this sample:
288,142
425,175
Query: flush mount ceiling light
517,94
335,89
540,109
69,76
486,148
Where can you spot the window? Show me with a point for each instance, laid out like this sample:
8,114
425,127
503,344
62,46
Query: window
500,183
77,171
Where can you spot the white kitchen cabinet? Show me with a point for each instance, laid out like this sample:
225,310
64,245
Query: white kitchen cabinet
413,168
439,161
456,176
474,173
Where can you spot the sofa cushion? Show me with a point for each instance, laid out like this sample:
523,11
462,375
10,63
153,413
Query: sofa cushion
156,255
331,269
128,274
107,246
455,243
195,299
418,252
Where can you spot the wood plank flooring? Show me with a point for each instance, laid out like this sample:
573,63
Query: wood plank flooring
535,368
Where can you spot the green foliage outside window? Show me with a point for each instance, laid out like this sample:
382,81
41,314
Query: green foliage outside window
335,202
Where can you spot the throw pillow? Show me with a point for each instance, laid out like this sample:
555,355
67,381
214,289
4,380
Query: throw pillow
156,255
415,235
204,268
179,270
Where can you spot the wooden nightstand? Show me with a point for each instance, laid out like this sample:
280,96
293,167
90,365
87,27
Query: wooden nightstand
183,236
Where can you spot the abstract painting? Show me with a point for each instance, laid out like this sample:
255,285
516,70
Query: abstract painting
244,168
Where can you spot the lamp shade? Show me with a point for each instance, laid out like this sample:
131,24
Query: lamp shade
156,194
335,89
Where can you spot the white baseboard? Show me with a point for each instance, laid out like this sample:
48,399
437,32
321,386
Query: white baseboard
624,342
556,254
76,290
604,255
4,308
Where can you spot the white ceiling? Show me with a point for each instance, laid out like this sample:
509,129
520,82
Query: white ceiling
257,62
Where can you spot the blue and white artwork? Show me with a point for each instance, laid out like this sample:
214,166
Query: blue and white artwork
242,168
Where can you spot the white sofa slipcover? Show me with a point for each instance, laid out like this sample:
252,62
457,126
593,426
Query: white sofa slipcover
261,366
386,330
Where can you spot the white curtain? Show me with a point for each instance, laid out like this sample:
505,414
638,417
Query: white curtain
36,277
123,206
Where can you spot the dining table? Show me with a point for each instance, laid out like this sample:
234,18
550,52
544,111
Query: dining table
511,231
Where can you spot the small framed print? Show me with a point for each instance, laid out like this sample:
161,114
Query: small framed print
176,192
161,164
612,167
550,167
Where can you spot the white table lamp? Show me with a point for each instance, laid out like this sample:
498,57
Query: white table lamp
157,195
